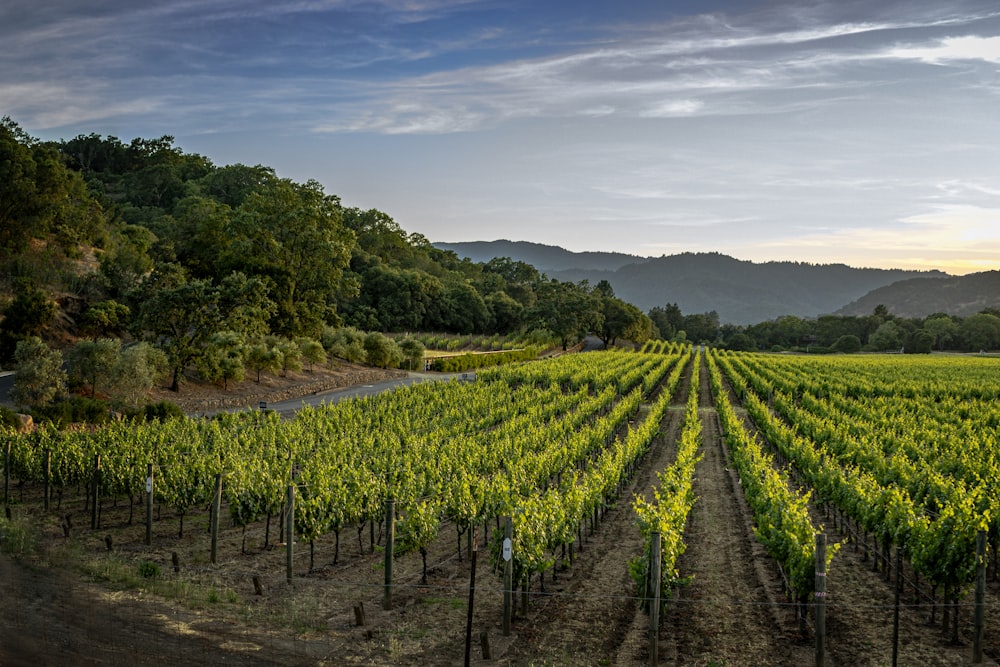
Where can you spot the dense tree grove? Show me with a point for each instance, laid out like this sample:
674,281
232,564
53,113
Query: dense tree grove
232,270
879,332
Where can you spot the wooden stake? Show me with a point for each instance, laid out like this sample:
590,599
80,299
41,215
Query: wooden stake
390,544
149,504
216,507
895,612
47,474
977,623
96,483
820,599
508,576
6,475
484,642
289,532
654,605
472,597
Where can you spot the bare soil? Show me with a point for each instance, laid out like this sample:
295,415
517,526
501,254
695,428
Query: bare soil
198,397
72,601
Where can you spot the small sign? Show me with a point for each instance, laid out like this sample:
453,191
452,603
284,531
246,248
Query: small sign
149,485
506,549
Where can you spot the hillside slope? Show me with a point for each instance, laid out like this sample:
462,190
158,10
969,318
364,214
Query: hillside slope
741,292
920,297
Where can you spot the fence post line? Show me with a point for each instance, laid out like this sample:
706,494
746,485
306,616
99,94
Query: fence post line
820,601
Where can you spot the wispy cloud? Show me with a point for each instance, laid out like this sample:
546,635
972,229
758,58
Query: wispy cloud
970,47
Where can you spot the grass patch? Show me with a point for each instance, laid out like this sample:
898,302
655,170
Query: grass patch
18,536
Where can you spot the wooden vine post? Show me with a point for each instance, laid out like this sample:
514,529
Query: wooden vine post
47,476
216,506
820,596
149,504
654,595
6,475
472,597
96,491
895,611
508,574
977,640
390,545
289,532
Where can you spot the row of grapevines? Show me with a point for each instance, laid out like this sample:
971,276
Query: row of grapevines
782,518
672,499
551,519
456,450
900,497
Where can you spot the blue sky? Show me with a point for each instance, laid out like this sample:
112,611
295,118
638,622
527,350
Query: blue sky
821,131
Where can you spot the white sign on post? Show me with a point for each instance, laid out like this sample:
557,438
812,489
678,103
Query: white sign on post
149,485
506,549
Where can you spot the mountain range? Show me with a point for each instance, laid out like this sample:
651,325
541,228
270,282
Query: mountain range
744,292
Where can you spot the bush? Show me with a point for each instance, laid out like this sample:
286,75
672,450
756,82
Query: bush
9,418
847,344
162,411
344,343
76,410
382,352
148,569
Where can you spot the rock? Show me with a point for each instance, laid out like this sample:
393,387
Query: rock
27,423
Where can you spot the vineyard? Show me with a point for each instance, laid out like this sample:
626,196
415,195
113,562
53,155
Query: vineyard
398,506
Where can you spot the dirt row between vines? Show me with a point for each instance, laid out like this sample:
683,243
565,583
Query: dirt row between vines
731,611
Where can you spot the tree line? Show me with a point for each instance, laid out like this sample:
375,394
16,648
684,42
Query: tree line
141,242
881,331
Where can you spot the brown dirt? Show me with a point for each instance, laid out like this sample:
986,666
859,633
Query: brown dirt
196,396
73,602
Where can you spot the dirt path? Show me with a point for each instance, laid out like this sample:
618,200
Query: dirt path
591,616
728,614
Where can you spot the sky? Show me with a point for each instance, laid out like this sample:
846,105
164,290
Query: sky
824,131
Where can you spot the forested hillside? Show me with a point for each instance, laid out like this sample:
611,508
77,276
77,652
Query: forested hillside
740,292
220,268
918,297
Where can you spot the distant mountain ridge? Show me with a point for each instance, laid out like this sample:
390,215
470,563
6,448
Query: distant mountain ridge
545,258
919,297
741,292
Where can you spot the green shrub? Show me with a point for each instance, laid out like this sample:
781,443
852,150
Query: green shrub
76,410
149,570
9,418
162,411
